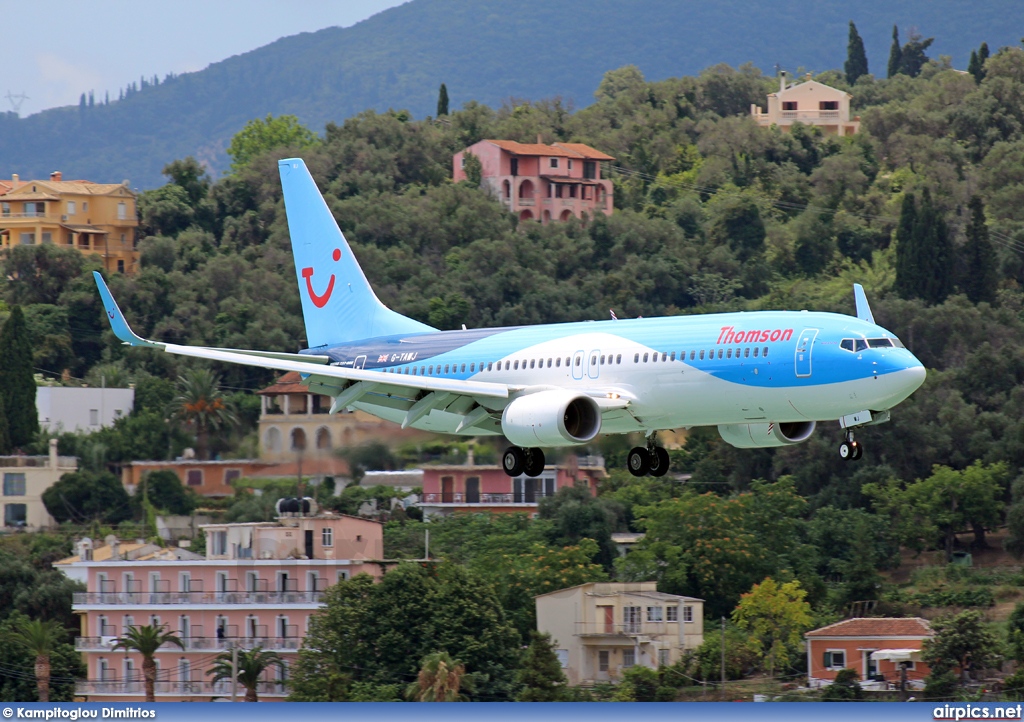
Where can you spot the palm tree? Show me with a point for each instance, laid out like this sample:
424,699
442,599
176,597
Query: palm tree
251,664
39,638
439,680
146,640
200,404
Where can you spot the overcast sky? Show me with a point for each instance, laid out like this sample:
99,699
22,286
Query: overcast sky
56,51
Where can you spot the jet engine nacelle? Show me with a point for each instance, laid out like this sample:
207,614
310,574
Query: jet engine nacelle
761,436
551,418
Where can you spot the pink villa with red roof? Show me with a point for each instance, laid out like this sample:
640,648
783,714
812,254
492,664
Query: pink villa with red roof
542,182
875,647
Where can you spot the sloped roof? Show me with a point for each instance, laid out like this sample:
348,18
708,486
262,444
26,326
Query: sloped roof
530,148
586,151
71,187
290,383
875,627
102,554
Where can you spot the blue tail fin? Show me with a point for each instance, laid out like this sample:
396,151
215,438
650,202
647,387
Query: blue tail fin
338,303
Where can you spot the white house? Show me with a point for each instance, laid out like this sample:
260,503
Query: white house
67,408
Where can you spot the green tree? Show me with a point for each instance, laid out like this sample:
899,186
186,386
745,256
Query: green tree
474,170
907,269
935,509
964,642
39,638
912,56
440,680
201,405
844,688
895,54
979,258
252,663
1015,632
17,385
856,59
84,496
165,492
146,640
5,435
191,176
776,617
65,665
259,136
442,100
576,514
541,677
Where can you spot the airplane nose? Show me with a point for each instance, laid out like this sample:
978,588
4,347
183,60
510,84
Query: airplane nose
914,375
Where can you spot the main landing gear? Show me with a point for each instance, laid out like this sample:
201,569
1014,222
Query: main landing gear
850,450
517,461
651,460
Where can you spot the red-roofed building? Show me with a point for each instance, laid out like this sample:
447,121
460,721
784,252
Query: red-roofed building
542,182
875,647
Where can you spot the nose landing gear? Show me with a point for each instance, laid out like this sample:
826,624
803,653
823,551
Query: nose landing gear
850,450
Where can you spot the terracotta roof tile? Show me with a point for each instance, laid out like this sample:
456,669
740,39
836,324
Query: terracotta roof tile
585,151
530,148
875,627
290,383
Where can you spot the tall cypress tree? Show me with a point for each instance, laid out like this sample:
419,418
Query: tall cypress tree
982,57
5,437
906,261
974,67
442,101
17,386
936,253
979,258
856,58
895,53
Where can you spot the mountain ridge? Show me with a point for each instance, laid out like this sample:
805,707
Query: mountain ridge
483,52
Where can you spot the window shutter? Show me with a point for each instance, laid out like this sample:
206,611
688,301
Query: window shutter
828,659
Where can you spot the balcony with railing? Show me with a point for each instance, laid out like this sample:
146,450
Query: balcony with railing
627,629
169,598
199,644
176,688
459,497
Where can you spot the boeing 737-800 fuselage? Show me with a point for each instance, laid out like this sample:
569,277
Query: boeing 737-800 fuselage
763,378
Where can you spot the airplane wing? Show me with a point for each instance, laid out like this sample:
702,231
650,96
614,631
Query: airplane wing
417,396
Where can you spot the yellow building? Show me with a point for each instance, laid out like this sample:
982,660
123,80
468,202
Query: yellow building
95,218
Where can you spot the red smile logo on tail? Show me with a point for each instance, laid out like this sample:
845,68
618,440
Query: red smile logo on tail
320,300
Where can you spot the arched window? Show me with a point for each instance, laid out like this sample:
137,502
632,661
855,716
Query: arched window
323,438
506,189
272,439
526,190
298,440
526,216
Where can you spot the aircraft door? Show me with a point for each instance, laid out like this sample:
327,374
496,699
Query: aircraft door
577,365
804,347
593,364
359,363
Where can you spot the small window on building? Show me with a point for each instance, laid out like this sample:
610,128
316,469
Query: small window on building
327,536
602,660
15,514
27,239
789,105
231,476
5,208
554,162
47,237
194,477
687,614
671,614
663,657
71,208
570,164
654,614
628,658
85,206
828,105
563,657
94,417
122,211
835,659
120,265
14,484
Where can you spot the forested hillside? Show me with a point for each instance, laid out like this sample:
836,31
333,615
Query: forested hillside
485,51
923,206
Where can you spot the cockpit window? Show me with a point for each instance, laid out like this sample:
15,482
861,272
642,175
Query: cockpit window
854,344
897,343
879,343
846,343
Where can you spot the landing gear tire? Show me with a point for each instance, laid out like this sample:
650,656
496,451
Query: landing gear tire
639,461
659,461
513,461
850,450
534,465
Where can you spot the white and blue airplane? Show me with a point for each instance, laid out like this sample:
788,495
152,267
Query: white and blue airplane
765,379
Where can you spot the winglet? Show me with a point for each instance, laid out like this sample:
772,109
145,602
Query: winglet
117,321
863,309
